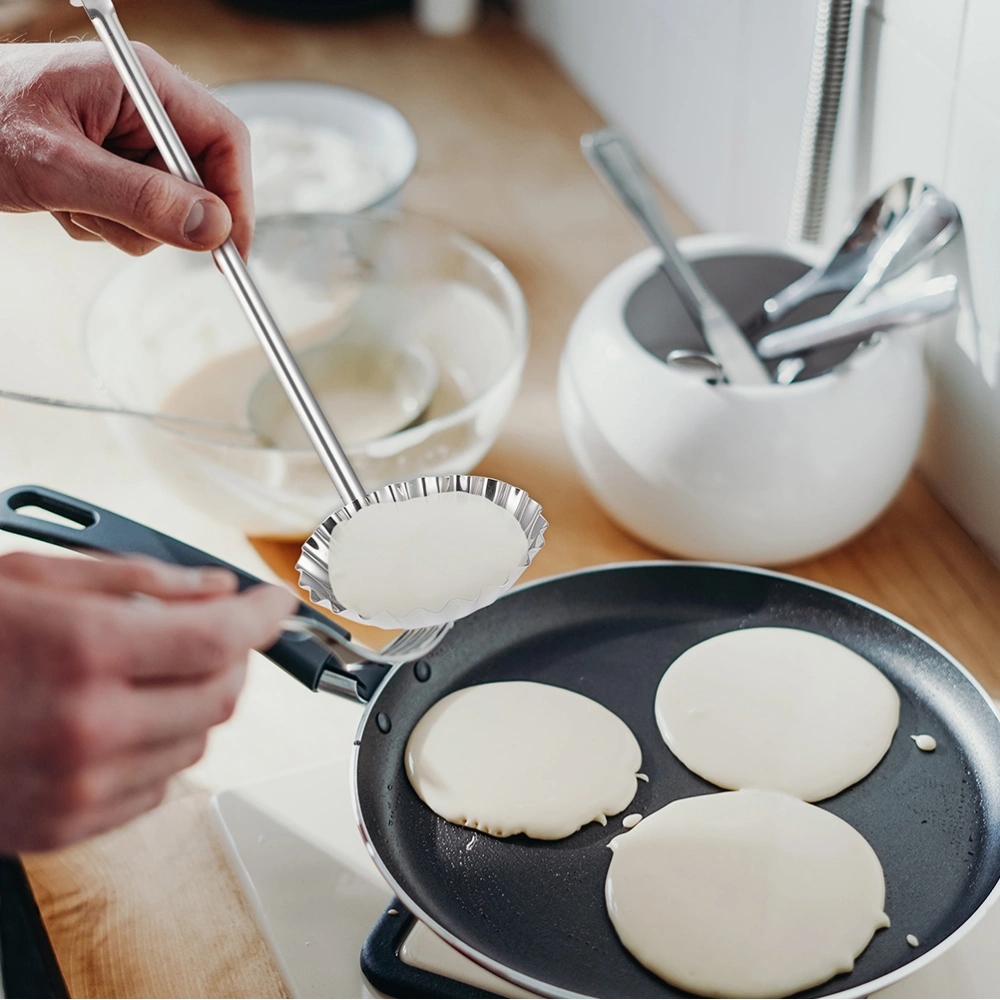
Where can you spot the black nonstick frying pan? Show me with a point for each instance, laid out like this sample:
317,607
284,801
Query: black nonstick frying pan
533,911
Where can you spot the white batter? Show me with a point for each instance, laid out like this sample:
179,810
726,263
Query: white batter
777,708
307,167
366,391
925,742
745,894
521,757
436,558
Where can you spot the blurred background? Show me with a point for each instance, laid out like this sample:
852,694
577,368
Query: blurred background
715,95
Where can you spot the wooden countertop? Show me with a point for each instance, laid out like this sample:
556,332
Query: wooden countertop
152,910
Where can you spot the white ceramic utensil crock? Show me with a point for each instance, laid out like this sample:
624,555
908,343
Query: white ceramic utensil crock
753,474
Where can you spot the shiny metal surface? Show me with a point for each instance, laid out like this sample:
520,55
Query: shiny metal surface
819,125
105,20
614,160
788,370
875,249
698,364
932,298
313,567
411,644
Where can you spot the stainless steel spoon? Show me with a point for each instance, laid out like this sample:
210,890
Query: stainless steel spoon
615,162
932,298
909,222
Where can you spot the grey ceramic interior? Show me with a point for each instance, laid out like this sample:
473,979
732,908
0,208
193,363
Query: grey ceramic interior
656,318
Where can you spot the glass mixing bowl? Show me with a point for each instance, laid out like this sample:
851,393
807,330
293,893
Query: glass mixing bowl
166,335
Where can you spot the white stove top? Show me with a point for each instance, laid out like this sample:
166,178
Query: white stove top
316,894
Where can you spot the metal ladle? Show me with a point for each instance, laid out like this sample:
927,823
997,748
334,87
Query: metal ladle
615,162
917,222
907,223
932,298
105,20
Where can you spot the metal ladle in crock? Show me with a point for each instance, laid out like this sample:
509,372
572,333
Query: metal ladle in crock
417,641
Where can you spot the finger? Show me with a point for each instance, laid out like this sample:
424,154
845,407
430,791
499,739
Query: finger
129,774
77,232
151,202
111,575
159,714
214,168
110,817
115,233
217,141
171,642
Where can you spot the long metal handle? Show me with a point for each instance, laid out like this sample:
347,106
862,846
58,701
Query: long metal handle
105,20
617,165
612,157
934,297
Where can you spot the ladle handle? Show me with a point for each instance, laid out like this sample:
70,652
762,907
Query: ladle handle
93,529
105,20
932,298
615,162
618,167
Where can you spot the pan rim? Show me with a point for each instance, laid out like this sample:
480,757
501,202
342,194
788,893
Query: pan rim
548,990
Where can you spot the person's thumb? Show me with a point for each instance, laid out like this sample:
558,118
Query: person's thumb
149,201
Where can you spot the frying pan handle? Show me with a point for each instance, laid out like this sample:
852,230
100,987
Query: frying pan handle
94,529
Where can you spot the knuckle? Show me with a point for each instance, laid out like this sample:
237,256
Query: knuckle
76,793
21,565
140,248
158,794
52,157
85,649
51,834
139,575
237,130
79,735
50,149
195,751
227,706
208,647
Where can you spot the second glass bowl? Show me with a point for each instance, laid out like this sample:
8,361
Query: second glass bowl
165,334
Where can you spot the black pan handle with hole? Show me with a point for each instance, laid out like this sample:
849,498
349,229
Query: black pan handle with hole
94,529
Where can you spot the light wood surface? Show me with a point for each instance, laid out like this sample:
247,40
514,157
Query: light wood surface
151,910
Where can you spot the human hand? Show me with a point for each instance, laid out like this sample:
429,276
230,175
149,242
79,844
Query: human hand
72,143
103,695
